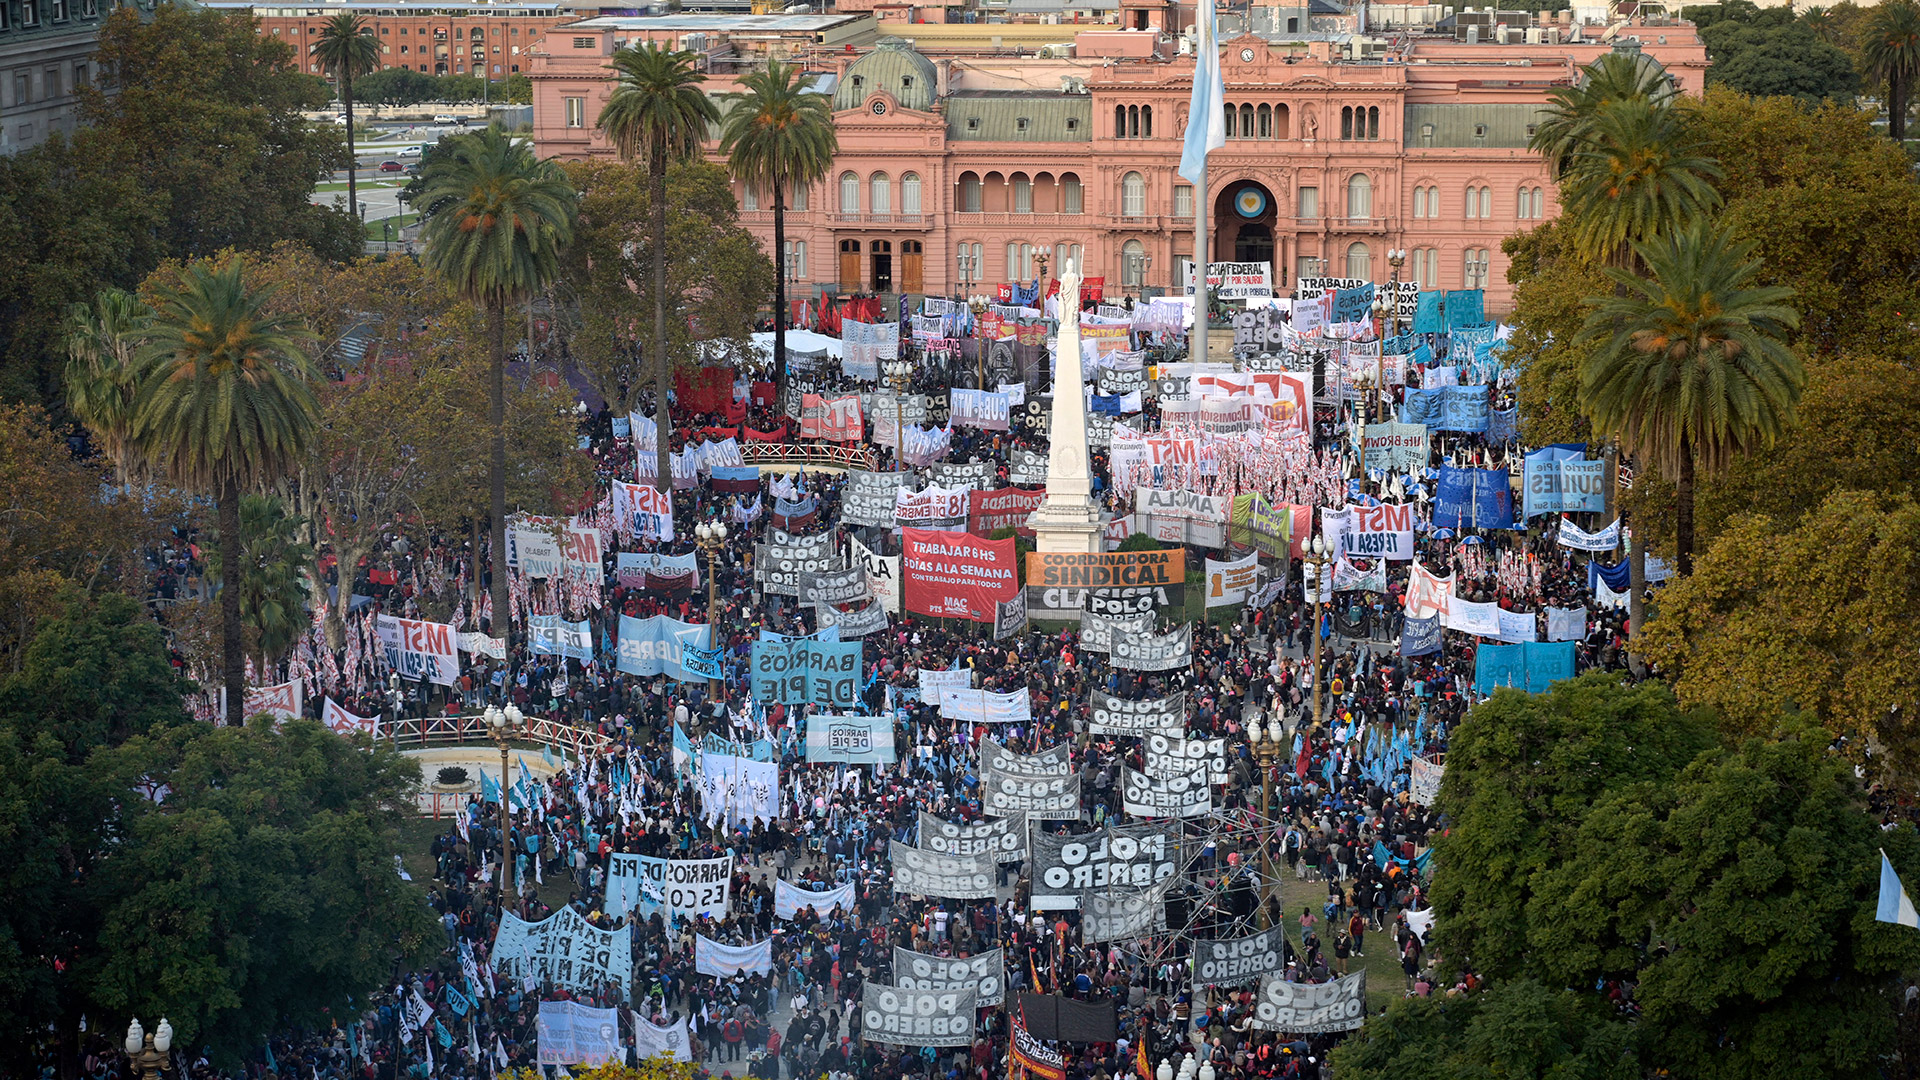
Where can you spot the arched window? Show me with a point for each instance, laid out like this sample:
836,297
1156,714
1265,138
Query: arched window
1232,129
797,198
1146,121
1433,201
1420,202
1246,121
1346,122
1133,195
1359,197
1133,265
749,198
1359,261
1070,195
1472,208
1119,121
1022,195
1373,122
881,201
969,193
1266,121
1064,253
910,193
849,193
1539,203
1133,121
1486,202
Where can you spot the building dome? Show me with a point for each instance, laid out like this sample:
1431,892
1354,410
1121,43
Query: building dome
892,67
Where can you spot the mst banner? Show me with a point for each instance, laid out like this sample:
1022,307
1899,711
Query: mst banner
985,973
1311,1009
1003,838
892,1014
1126,857
1118,716
1059,583
958,877
1237,960
421,650
1054,798
798,672
957,576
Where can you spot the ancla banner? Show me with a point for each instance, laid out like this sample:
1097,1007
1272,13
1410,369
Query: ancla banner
957,576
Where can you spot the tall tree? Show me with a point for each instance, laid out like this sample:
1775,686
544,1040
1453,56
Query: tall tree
102,338
504,215
779,134
1639,171
657,105
1890,44
1572,111
349,50
224,407
1692,367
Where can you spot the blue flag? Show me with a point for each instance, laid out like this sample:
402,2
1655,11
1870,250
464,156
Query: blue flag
1206,124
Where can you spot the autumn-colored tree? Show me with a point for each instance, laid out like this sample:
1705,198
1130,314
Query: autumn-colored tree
661,1067
1821,615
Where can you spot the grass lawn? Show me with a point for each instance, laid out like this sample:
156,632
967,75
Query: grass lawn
1385,980
375,232
363,185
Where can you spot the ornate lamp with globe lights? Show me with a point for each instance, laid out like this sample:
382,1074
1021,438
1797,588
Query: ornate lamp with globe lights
1314,567
149,1052
1266,746
711,537
502,726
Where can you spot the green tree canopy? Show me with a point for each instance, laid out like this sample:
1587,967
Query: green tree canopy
1517,1030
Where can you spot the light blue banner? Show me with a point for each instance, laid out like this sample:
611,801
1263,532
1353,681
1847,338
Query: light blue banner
1532,666
656,645
1560,479
550,635
798,672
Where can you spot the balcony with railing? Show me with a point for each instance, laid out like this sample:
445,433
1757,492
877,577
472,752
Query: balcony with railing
882,221
1036,221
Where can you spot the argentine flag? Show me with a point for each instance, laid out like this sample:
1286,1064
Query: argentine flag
1895,905
1206,124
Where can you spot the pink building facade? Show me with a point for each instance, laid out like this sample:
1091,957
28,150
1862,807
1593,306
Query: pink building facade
957,173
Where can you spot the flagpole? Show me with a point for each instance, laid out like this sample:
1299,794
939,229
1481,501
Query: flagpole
1202,254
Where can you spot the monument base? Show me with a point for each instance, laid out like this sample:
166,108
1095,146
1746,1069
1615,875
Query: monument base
1067,529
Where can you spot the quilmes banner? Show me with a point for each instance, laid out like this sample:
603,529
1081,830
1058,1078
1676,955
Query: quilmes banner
1560,479
1371,532
1154,652
1144,795
657,646
1126,857
933,508
1118,716
1230,582
986,706
892,1014
569,1033
1169,756
551,635
1052,761
869,497
856,740
1060,583
957,576
777,566
985,973
798,672
1310,1008
563,949
712,958
1003,838
1053,798
926,873
1097,632
420,650
1119,916
1228,961
789,899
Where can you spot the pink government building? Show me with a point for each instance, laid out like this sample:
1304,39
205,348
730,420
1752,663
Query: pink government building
970,150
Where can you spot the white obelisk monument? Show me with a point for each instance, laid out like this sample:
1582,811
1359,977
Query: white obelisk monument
1068,520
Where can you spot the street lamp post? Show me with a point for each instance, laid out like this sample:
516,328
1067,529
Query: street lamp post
899,375
1265,749
711,538
147,1051
502,726
978,305
1313,565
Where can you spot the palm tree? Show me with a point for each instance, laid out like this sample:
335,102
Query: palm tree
274,569
658,105
501,217
348,49
1635,173
102,340
1890,43
1571,110
223,407
779,134
1691,368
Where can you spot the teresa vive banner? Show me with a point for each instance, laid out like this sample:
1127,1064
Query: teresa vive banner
957,576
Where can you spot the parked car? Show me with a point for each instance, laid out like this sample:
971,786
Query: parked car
409,151
391,166
445,118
